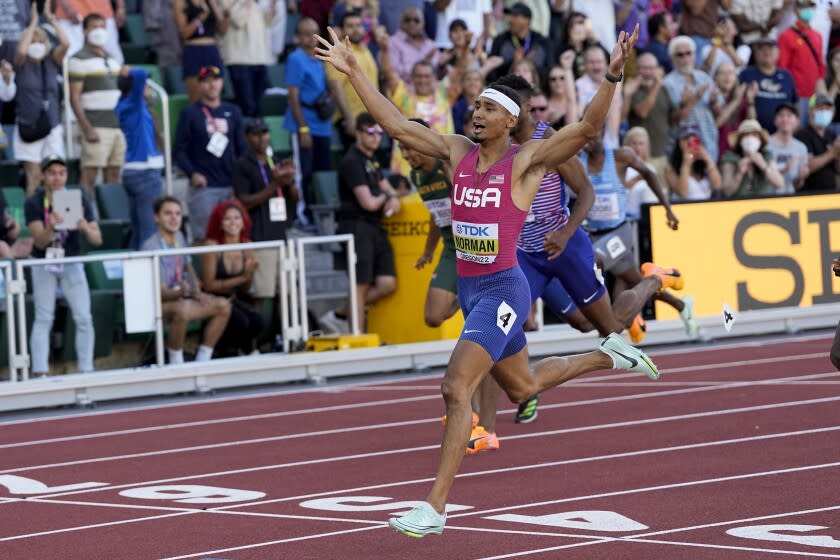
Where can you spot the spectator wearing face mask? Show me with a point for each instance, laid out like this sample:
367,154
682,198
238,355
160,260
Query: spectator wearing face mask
748,168
71,15
823,145
800,52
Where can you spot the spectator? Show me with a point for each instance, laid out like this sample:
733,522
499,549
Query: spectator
54,239
8,84
601,16
309,112
93,96
800,53
823,146
164,38
348,101
698,19
660,31
651,108
738,103
365,196
425,98
693,92
520,41
246,50
788,154
692,173
229,275
775,85
539,106
629,14
595,63
12,246
198,23
830,85
562,98
541,13
754,19
16,18
526,69
265,188
726,46
367,9
472,84
477,58
72,16
182,299
748,169
476,15
390,12
638,191
208,139
579,36
38,104
277,33
141,175
319,10
409,45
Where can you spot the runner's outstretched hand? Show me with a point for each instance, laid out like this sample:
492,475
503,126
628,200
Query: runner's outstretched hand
336,53
622,50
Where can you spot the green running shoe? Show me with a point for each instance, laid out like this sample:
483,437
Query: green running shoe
628,357
527,411
419,522
687,316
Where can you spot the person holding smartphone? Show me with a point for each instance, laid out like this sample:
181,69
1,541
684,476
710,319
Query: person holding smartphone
691,173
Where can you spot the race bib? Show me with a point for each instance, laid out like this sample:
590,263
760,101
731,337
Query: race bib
441,211
217,144
277,209
605,208
616,247
478,243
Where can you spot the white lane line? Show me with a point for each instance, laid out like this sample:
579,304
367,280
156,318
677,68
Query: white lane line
548,549
660,383
407,378
96,526
273,439
587,402
741,548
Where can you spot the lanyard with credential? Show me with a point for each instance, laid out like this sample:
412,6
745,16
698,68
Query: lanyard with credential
264,173
211,122
163,245
62,235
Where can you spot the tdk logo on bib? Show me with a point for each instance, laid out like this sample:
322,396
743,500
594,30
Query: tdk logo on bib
476,242
474,197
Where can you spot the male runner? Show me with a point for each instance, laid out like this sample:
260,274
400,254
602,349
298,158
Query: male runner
611,233
494,183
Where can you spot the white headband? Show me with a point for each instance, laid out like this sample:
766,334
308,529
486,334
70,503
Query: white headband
501,99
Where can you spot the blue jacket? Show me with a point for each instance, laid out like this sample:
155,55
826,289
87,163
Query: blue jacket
137,125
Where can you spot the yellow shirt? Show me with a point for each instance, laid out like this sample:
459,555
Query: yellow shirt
369,69
434,109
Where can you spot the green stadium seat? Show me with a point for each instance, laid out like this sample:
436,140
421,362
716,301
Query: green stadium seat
281,142
153,71
177,102
104,275
11,174
113,202
276,76
135,55
174,80
273,104
325,188
15,198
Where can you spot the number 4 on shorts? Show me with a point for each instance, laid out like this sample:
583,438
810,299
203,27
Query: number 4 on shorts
505,317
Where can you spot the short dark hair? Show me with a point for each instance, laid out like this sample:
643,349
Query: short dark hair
517,83
787,106
655,22
350,14
509,92
161,200
90,18
364,120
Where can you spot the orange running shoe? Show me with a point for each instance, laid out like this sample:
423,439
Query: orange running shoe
474,420
637,329
481,440
670,277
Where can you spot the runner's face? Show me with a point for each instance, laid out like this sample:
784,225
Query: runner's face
491,120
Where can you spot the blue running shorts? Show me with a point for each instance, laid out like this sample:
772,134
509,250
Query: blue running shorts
496,306
557,299
574,268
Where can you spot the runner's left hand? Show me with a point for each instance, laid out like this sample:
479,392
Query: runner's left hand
622,50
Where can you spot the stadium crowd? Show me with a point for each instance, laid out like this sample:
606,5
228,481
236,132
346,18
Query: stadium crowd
722,99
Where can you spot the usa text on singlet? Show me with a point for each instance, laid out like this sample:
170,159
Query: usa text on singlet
485,221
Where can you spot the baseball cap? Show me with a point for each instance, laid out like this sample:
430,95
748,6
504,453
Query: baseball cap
788,106
805,3
255,125
820,99
51,159
457,23
520,9
689,129
209,72
765,39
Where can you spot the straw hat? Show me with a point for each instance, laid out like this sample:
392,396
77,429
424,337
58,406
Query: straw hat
747,126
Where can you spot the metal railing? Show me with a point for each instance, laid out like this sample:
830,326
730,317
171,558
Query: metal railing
292,291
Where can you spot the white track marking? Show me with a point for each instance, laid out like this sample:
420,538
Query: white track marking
608,426
407,378
742,548
575,403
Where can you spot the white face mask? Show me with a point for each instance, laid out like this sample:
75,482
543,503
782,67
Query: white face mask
97,37
36,51
750,144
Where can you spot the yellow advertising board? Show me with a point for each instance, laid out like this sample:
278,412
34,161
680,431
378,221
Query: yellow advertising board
398,318
751,254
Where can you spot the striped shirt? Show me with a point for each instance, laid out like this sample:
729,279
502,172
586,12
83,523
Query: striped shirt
549,210
98,75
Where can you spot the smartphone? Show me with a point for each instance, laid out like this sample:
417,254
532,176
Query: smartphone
694,145
40,4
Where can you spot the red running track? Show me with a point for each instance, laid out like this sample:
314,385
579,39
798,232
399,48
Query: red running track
733,454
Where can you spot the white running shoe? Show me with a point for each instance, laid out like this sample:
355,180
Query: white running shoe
419,522
687,316
628,357
331,324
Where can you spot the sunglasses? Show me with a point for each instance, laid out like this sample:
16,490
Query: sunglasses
557,78
209,71
536,109
373,130
411,20
684,53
